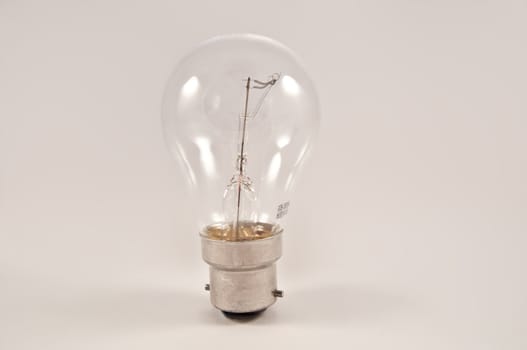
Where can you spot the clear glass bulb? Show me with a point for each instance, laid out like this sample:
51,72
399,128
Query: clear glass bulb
240,114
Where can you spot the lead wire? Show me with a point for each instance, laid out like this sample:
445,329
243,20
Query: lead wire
240,174
257,85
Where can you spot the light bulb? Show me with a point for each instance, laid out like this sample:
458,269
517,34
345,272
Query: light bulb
240,115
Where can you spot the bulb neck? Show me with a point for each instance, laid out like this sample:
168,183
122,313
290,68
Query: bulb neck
242,274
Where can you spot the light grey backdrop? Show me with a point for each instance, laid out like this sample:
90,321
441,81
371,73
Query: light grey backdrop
408,230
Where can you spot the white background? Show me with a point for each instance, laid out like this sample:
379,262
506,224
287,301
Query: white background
408,230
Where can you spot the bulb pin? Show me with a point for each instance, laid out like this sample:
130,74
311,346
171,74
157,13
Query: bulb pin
277,293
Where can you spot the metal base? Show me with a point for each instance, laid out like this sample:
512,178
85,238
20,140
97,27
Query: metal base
242,274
